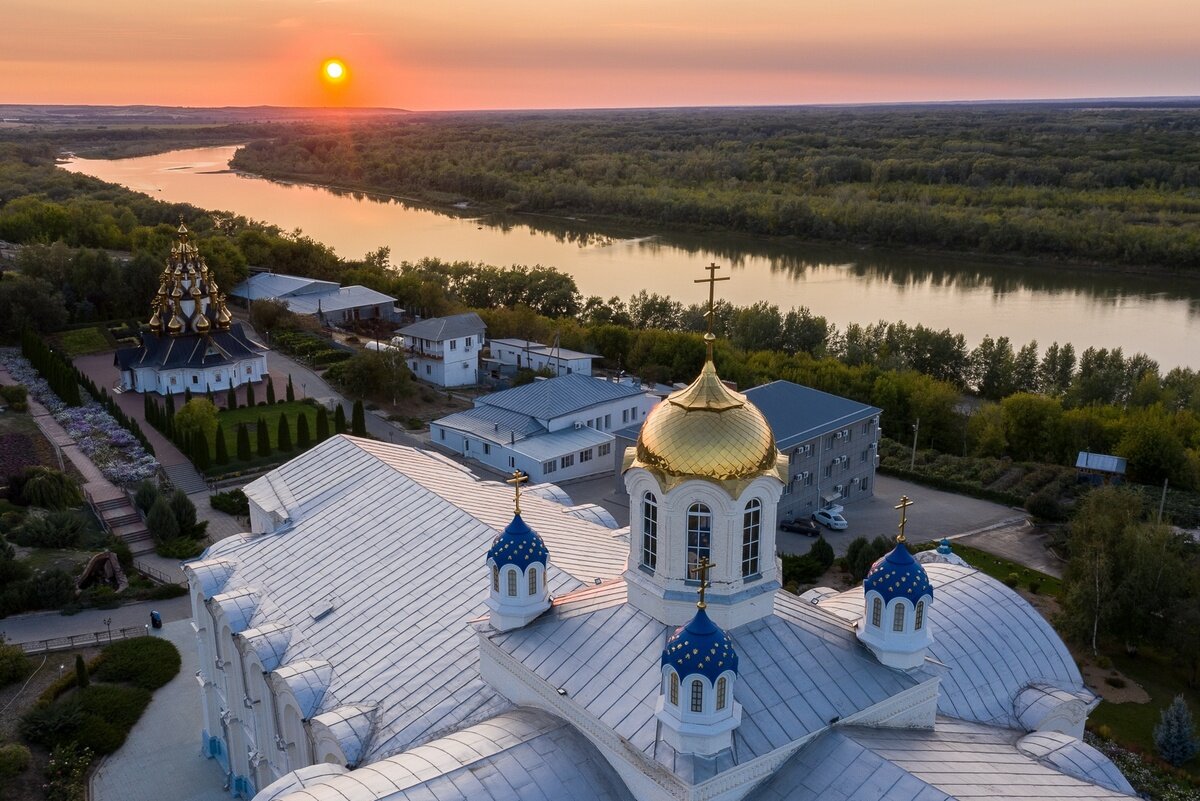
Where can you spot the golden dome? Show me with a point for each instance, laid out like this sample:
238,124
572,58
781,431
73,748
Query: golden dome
707,431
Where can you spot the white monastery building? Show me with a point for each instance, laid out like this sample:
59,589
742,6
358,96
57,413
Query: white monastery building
391,629
192,342
328,301
445,350
535,356
552,429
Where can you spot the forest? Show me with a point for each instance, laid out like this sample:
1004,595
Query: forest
1110,186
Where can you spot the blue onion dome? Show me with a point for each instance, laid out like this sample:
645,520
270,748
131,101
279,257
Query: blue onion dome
518,545
944,546
700,647
898,575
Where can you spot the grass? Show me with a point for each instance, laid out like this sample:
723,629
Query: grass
230,419
1000,569
1133,724
83,341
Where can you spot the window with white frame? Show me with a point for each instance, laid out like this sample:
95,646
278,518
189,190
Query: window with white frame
468,343
751,534
585,456
532,580
604,449
568,460
697,695
877,613
487,448
898,618
722,692
919,619
673,688
699,533
624,415
454,344
512,583
495,579
549,467
649,530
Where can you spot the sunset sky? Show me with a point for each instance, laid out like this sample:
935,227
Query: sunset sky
464,54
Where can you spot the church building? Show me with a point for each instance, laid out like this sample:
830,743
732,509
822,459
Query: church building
394,628
192,342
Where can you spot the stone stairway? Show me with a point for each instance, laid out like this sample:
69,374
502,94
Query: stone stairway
122,519
185,477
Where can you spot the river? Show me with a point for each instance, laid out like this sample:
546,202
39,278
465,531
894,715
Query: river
1156,316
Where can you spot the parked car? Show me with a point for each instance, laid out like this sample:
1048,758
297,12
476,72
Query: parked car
801,526
831,520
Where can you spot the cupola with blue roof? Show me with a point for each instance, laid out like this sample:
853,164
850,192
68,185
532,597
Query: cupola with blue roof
517,563
897,596
699,669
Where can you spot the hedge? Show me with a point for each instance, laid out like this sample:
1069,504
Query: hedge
146,662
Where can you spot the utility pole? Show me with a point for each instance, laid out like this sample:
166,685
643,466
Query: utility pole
1163,500
912,463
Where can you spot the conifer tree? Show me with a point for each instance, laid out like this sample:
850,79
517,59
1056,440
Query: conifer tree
200,452
1175,735
243,443
339,420
291,391
161,522
303,439
270,391
185,513
322,424
358,420
283,437
250,393
81,672
170,406
231,396
222,450
208,395
187,395
264,438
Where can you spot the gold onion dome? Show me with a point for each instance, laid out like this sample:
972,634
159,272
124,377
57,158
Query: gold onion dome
710,432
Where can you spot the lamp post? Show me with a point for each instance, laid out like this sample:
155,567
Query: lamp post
108,625
303,390
912,463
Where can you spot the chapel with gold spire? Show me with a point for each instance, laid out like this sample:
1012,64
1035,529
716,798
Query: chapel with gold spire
191,341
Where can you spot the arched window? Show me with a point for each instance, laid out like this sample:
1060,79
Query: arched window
512,583
697,696
920,618
495,579
898,618
722,688
649,531
877,613
532,580
699,531
751,530
673,683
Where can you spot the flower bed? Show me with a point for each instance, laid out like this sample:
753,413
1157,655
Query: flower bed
1150,777
114,450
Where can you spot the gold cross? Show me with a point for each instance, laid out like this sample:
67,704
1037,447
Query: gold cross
712,285
903,507
701,570
518,478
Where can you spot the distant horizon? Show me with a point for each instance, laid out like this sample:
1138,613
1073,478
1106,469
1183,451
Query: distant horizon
476,55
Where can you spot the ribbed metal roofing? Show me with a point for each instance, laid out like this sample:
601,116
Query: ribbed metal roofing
558,397
346,297
452,326
798,413
262,286
492,424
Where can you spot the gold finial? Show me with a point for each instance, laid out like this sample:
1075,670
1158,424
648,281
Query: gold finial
518,478
903,507
701,569
711,314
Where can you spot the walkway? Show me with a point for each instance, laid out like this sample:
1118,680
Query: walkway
1024,544
48,625
162,759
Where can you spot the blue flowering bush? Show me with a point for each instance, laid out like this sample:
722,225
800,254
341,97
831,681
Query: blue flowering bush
118,454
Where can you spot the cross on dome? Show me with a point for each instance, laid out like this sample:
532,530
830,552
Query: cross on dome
712,285
701,570
905,502
518,478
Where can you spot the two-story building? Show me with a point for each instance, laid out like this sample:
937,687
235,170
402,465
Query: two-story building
445,350
831,444
552,429
518,353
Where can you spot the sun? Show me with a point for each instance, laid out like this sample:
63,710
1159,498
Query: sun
334,70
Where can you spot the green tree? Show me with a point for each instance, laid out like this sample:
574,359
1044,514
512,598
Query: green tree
1175,735
243,442
291,390
184,512
1153,449
270,391
222,450
200,450
250,392
161,522
283,436
145,495
198,416
29,303
231,397
1031,426
371,374
339,419
322,424
358,424
264,438
81,672
303,438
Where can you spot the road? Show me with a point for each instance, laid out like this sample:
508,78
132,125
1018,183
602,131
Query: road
48,625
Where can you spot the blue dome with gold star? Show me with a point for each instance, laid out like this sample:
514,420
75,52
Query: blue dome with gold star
898,575
700,647
518,545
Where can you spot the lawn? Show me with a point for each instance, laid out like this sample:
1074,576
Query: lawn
230,419
1000,569
83,341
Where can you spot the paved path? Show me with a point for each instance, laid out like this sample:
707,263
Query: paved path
48,625
162,759
1024,544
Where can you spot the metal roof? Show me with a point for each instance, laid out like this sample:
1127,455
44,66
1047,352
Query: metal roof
558,397
557,443
492,424
346,297
798,413
263,286
528,346
443,328
953,760
1101,462
521,754
194,351
367,516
